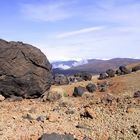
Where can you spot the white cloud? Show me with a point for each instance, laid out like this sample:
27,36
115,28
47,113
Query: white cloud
45,11
78,32
61,66
81,62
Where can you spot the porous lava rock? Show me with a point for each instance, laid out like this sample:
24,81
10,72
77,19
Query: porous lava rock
24,70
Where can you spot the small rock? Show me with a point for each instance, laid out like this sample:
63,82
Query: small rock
102,87
137,94
103,76
60,79
111,73
41,119
88,113
84,75
2,98
28,117
69,111
80,126
53,95
136,68
91,87
79,91
55,136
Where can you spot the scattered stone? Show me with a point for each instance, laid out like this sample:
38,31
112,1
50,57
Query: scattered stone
61,79
102,87
28,117
41,119
55,136
69,111
122,71
103,76
88,113
84,75
136,68
2,98
91,87
53,94
118,72
111,73
108,99
24,70
73,79
79,91
137,94
80,126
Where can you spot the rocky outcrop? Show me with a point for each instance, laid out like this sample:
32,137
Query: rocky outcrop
24,70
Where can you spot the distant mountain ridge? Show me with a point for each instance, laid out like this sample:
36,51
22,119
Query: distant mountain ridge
94,66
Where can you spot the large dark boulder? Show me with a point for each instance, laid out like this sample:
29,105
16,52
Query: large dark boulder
84,75
124,70
91,87
60,79
79,91
55,136
110,73
24,70
136,68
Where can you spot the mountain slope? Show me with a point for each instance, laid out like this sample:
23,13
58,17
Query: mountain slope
103,65
94,66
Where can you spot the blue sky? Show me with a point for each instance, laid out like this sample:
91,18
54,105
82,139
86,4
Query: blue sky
74,29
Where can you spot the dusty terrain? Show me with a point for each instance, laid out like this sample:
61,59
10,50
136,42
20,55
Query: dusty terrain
111,115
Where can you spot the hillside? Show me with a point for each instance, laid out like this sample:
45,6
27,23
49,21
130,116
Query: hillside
112,115
102,66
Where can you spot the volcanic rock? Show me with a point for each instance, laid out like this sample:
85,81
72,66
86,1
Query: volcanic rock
124,70
61,79
137,94
91,87
24,70
103,76
84,75
110,72
79,91
136,68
